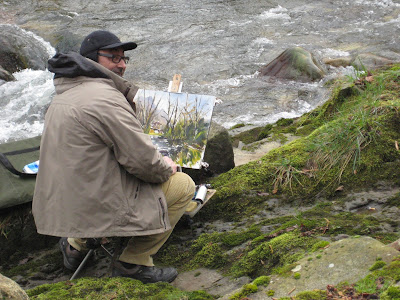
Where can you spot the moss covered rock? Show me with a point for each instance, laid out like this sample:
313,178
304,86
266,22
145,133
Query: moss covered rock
294,63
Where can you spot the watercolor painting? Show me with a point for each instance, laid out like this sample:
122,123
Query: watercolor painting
178,123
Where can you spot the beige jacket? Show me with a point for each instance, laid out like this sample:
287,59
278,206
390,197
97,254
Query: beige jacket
99,174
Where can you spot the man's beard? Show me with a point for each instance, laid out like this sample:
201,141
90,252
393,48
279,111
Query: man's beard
118,71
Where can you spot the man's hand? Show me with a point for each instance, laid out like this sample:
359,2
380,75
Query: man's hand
171,163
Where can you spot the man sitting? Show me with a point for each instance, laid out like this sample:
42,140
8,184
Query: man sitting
100,175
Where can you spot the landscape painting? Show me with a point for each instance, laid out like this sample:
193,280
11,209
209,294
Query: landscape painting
178,123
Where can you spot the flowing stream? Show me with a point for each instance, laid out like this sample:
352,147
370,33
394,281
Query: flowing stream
217,46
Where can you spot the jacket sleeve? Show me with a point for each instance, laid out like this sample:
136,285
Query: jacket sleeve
114,121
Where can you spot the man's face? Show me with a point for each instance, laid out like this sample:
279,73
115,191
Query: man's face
117,68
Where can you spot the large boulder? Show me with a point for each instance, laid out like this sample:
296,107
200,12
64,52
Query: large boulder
295,64
20,50
10,290
219,150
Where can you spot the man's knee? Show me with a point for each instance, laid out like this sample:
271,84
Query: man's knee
180,187
186,184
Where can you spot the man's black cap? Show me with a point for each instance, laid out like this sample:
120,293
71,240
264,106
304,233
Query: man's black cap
102,39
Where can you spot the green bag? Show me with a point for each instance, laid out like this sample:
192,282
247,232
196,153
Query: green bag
17,187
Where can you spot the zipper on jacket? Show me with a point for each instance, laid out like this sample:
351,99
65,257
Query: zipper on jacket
163,212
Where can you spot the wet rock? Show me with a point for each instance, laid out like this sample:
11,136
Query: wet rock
10,290
339,62
20,51
209,280
395,245
345,260
218,155
5,75
296,64
340,237
370,61
219,150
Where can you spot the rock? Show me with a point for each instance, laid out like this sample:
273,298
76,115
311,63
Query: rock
219,150
339,62
370,61
345,260
20,51
395,245
210,281
218,155
10,290
363,61
5,75
296,64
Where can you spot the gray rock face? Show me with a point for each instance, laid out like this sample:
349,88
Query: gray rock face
345,260
296,64
10,290
20,51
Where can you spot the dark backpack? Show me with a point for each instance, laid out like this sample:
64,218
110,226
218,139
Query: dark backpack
17,187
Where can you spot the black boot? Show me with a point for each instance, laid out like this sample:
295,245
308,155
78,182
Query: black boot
72,257
144,273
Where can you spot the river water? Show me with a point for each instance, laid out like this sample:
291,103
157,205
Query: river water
217,46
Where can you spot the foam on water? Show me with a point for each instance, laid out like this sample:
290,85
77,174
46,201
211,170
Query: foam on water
278,12
253,118
332,53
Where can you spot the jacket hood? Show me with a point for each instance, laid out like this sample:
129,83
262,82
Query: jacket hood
72,65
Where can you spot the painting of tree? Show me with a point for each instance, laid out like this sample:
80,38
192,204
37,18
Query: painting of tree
178,123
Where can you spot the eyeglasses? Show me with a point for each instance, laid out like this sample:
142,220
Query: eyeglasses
114,58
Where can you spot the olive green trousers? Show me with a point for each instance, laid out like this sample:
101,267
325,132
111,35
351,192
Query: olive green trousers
178,190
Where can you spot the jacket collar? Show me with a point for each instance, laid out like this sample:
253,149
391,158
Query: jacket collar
73,65
128,89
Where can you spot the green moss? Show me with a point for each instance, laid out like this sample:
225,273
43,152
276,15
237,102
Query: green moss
392,293
270,293
111,288
313,295
247,137
284,122
296,275
247,289
262,280
319,245
240,125
377,265
264,132
210,256
282,250
380,279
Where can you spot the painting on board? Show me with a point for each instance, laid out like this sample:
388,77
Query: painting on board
178,123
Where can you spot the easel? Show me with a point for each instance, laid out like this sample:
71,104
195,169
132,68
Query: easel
175,86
